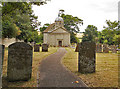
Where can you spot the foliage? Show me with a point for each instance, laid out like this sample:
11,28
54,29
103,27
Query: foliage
19,21
72,24
44,27
39,38
10,29
73,38
90,33
110,34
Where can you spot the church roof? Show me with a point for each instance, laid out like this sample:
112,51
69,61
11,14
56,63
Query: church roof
62,28
49,27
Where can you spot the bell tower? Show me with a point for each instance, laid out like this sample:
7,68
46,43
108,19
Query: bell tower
59,22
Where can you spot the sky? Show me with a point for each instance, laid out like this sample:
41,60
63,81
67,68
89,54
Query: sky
92,12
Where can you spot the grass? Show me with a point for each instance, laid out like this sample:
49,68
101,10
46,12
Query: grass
106,74
37,57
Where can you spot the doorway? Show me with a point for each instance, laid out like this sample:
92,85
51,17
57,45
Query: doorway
60,43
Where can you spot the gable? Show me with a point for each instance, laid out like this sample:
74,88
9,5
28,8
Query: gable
60,30
50,28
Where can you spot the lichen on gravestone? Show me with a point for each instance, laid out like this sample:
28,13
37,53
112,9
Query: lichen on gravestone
20,56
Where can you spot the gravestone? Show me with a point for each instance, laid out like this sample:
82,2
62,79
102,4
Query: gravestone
36,48
2,47
19,61
87,57
44,47
77,47
113,48
98,48
105,48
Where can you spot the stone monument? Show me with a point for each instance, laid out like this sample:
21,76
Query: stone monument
44,47
87,57
36,48
19,61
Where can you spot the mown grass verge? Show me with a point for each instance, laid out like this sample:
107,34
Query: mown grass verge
37,58
106,74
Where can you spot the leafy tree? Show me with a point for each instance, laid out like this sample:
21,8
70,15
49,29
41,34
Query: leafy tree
44,27
72,24
90,33
73,38
19,21
110,34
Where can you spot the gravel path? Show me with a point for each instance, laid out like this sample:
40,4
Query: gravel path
54,74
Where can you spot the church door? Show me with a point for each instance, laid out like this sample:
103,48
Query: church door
60,43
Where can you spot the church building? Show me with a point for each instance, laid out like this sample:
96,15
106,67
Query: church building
56,34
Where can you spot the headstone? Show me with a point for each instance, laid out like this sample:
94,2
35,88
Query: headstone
77,47
44,47
19,61
113,48
87,57
36,48
98,48
105,48
2,47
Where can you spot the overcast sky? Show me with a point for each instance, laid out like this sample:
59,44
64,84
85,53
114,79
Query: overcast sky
92,12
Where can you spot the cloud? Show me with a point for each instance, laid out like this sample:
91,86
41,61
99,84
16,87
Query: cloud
105,6
93,12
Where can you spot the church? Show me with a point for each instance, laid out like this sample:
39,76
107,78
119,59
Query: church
56,34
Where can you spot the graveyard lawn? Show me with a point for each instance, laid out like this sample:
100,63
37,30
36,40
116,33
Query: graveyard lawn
106,74
37,57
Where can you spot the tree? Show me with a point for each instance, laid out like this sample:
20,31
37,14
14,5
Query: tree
72,24
110,34
18,20
73,38
44,27
90,33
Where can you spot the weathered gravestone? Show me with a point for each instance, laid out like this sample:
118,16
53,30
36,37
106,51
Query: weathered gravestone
87,57
98,48
105,48
44,47
113,48
36,48
19,61
2,47
77,47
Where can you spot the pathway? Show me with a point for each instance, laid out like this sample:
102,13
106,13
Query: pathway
54,74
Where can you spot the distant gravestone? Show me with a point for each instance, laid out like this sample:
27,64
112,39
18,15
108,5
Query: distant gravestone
98,48
19,61
77,47
105,48
86,61
44,47
36,48
113,48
